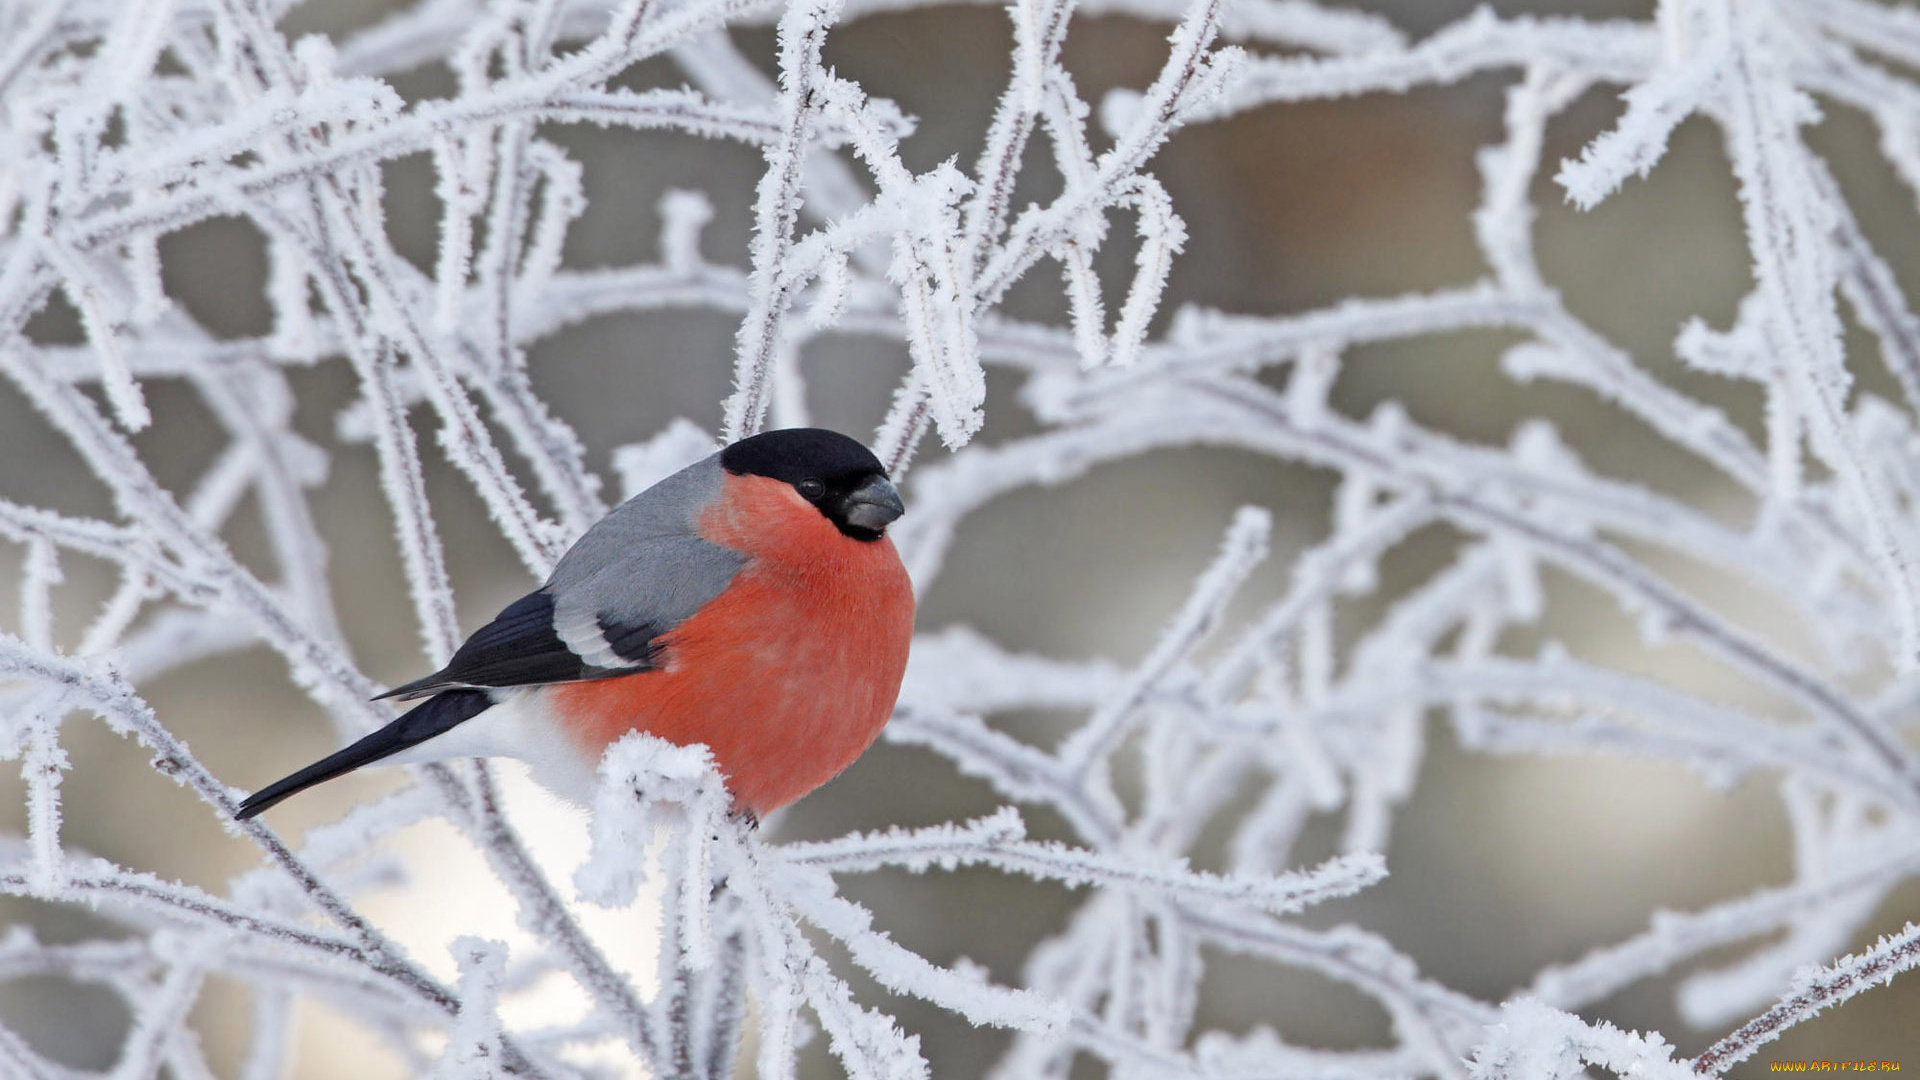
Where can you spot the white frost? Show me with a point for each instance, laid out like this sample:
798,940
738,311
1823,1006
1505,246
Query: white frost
123,124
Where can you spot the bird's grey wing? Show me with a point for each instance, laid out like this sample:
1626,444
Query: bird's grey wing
638,573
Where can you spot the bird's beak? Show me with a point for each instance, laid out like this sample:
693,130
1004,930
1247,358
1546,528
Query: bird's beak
873,505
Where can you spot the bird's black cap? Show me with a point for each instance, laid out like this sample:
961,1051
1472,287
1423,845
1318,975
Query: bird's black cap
796,454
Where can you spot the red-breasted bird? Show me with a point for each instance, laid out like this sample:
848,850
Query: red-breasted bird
751,602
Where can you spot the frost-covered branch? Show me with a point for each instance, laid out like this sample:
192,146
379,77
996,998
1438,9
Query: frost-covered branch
1178,787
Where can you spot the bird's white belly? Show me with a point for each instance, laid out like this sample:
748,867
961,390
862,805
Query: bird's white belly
518,725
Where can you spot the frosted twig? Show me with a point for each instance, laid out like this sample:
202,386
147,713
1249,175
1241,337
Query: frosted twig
802,32
1410,587
1815,991
1244,548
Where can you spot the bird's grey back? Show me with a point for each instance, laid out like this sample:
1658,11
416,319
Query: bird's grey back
645,562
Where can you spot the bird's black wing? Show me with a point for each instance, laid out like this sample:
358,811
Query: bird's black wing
521,647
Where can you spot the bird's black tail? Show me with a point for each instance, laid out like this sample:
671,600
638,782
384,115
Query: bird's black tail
436,715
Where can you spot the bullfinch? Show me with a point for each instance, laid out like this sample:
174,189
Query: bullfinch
752,602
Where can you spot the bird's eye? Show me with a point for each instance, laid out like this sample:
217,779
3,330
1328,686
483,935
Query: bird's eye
811,489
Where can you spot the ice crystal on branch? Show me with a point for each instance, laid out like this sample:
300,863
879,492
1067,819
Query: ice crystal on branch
1190,774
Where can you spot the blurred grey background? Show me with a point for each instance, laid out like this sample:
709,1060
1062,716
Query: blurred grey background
1499,865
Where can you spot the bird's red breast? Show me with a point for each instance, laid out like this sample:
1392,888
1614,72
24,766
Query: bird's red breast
790,673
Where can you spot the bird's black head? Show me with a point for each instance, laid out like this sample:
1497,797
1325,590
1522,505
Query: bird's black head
834,473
